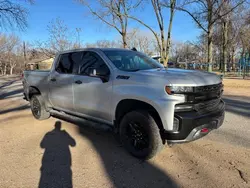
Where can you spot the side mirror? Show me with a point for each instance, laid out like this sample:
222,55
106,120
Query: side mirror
102,73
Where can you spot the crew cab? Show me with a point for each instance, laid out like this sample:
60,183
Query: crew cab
148,105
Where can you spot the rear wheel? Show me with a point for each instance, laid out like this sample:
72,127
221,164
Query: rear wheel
38,108
140,134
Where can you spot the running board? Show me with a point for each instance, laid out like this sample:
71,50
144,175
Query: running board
80,121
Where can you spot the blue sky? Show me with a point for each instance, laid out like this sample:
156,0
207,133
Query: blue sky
76,15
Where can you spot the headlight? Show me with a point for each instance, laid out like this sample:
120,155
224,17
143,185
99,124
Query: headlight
179,89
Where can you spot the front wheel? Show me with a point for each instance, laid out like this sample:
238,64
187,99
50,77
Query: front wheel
140,134
38,108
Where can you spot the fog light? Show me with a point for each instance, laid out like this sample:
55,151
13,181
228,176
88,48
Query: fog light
181,108
176,124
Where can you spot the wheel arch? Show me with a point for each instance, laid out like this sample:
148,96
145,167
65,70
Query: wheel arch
33,91
127,105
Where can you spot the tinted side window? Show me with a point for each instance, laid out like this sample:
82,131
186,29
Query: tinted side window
67,62
91,60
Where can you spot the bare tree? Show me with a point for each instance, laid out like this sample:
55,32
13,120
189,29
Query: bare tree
13,42
3,47
225,32
185,54
103,44
112,13
190,52
206,13
233,41
244,37
226,36
171,4
162,44
78,38
13,15
175,53
201,47
44,48
8,46
142,41
160,38
59,36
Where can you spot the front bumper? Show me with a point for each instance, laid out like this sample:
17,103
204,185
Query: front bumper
192,125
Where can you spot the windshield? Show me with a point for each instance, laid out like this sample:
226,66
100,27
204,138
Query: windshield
132,60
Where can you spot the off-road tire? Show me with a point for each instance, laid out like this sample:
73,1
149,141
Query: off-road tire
148,126
38,108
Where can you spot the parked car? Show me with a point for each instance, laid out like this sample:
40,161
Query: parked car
148,105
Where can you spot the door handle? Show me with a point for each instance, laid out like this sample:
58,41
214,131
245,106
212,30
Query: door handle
78,82
52,79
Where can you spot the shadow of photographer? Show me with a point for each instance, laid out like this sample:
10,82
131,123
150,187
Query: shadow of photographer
56,161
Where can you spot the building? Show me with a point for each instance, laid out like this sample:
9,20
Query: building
39,64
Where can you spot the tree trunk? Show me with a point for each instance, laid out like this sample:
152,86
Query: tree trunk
5,69
210,48
225,39
173,3
244,65
124,40
11,70
163,49
209,36
221,56
233,58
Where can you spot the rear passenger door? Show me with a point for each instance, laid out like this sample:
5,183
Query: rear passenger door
60,83
92,95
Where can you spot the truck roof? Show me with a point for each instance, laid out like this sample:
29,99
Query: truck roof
94,49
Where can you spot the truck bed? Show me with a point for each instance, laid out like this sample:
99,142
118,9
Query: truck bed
36,78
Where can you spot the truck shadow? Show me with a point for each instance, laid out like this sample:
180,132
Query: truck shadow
238,105
121,168
56,161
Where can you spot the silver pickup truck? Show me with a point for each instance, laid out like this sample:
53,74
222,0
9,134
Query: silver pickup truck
145,103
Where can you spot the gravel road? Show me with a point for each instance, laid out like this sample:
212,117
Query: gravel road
56,153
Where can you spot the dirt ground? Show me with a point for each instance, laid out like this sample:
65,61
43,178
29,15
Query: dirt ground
237,87
36,154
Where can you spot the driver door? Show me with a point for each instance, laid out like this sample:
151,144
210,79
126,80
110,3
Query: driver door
60,83
92,95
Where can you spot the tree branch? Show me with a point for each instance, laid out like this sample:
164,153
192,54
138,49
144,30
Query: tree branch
147,26
231,10
156,10
103,20
194,18
12,15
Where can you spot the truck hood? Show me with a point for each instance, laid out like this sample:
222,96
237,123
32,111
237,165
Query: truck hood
184,77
